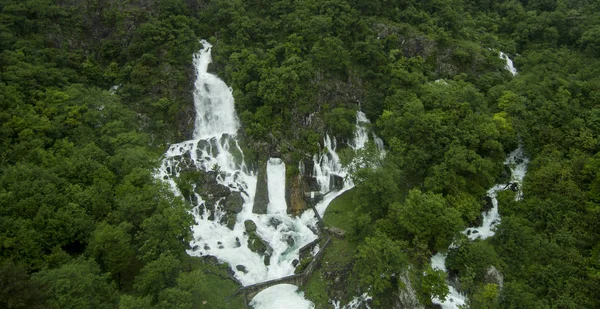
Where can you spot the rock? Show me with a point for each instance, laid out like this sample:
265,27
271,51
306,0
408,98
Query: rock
295,262
195,248
230,218
488,204
290,241
493,275
261,197
274,222
514,187
233,203
241,268
250,226
310,184
297,204
407,296
336,232
307,167
237,243
336,182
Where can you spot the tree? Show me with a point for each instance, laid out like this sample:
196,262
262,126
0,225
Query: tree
157,275
379,261
78,285
110,246
426,216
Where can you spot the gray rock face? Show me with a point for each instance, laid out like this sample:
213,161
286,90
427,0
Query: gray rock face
493,275
336,182
261,198
407,296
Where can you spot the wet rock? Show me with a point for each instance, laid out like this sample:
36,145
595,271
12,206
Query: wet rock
290,241
336,182
206,247
514,187
274,222
195,248
237,243
295,262
231,219
308,165
241,268
310,184
233,202
487,203
250,226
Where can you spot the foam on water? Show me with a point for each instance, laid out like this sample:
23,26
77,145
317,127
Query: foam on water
276,186
281,296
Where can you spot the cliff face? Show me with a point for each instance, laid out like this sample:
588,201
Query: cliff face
261,198
296,204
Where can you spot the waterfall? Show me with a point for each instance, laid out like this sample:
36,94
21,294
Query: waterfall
517,162
214,153
276,186
509,64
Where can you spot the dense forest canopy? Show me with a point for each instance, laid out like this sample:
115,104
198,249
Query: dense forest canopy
91,92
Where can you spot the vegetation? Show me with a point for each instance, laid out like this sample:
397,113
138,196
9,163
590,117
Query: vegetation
92,91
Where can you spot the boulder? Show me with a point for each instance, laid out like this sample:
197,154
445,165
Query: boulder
241,268
250,226
233,202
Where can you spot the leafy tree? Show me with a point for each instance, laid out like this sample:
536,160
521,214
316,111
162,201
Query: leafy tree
78,284
157,275
378,261
426,216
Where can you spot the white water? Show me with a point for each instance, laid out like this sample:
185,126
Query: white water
517,162
214,147
509,64
281,296
276,186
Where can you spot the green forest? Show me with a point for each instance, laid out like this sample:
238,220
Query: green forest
92,93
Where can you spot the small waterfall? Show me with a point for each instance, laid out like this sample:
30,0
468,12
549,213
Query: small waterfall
509,64
517,162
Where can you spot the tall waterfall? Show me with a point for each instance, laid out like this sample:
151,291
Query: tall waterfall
214,152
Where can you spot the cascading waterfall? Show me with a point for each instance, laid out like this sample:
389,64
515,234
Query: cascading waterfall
517,162
214,152
509,64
